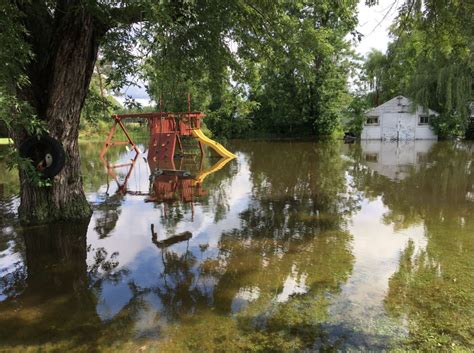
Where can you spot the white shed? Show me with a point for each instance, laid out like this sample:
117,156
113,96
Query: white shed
398,120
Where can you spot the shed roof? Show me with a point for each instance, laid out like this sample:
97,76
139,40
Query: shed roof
399,104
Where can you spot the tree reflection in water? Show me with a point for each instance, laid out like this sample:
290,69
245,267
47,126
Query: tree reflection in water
51,303
266,280
432,288
276,273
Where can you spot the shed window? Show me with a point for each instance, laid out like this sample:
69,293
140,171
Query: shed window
372,120
372,157
424,120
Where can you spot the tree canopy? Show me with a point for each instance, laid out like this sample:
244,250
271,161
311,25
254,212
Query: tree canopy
280,67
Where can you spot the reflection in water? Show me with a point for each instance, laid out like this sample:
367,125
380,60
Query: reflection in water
294,246
182,183
394,160
432,287
49,295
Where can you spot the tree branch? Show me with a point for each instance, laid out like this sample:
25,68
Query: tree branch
113,17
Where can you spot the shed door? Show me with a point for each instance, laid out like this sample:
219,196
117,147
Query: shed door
398,126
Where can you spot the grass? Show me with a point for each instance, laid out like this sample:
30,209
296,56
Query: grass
100,131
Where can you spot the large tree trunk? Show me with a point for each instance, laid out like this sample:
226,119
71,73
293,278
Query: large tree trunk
60,75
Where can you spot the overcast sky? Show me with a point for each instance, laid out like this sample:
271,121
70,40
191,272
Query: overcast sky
373,24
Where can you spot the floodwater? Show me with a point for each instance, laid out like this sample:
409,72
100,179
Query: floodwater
293,246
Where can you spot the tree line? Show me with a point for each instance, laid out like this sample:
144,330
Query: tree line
289,77
256,68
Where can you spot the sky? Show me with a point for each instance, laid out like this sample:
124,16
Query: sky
374,23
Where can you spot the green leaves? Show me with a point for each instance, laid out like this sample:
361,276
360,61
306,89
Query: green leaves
15,53
275,66
99,105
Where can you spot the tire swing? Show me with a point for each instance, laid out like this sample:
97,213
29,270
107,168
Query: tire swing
46,153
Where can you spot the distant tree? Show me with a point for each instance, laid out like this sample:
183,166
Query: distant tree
98,105
375,66
301,85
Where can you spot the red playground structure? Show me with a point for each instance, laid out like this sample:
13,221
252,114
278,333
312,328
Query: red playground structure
167,183
166,130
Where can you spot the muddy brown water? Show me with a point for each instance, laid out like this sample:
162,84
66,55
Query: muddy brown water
293,246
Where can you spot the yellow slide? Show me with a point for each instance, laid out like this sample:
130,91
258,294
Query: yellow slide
5,141
221,150
217,166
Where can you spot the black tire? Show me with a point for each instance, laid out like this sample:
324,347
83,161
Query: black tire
36,148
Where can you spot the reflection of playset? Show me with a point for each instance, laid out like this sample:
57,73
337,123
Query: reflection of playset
167,130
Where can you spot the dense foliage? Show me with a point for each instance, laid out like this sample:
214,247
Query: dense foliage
263,68
99,105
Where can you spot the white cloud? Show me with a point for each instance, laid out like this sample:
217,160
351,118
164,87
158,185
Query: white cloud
138,93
